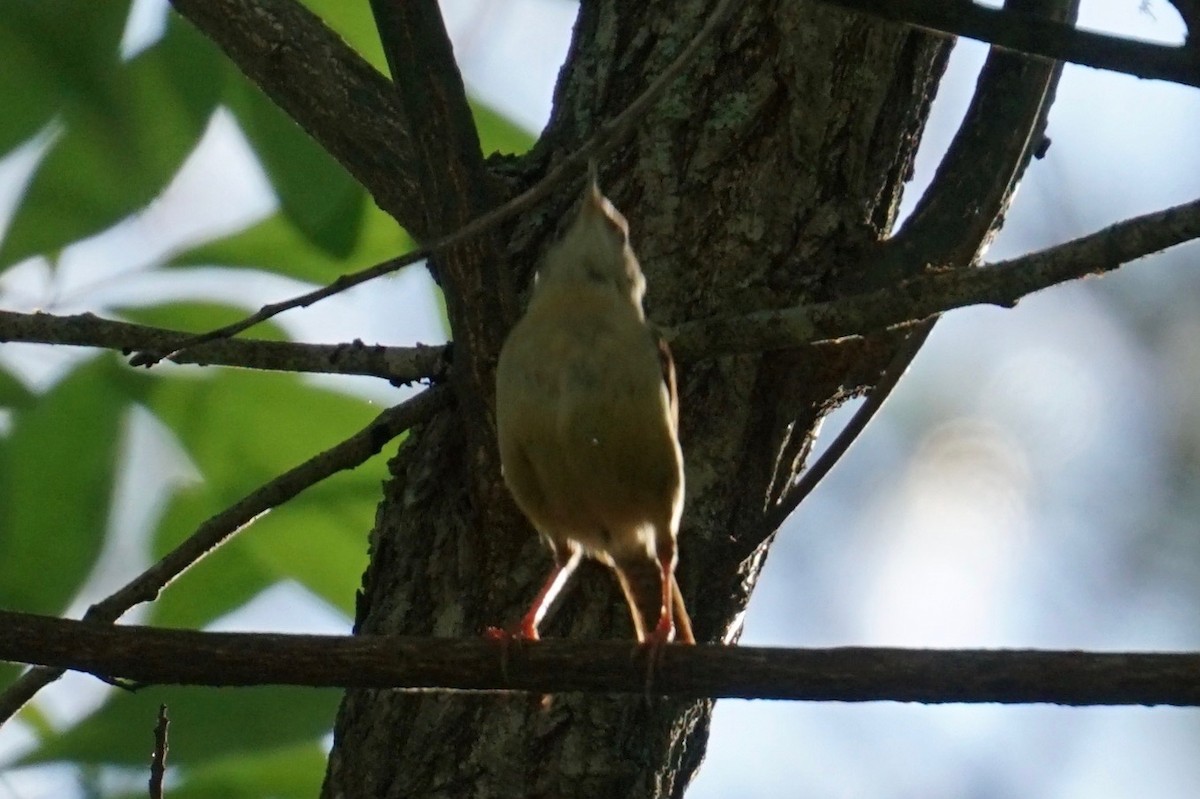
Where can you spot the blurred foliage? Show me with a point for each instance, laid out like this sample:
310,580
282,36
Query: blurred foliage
119,129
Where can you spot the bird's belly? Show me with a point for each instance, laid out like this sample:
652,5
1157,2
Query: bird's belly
606,488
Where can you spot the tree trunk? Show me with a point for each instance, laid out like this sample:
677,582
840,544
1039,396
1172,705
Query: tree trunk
766,174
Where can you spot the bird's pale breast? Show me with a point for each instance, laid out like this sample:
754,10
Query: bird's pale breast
585,431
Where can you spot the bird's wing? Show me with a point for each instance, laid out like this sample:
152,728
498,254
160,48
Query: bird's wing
667,363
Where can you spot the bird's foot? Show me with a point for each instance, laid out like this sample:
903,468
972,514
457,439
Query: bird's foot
655,644
522,631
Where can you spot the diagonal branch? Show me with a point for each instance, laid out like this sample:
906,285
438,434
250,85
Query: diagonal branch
1036,36
961,210
454,188
151,655
220,528
964,205
400,365
603,141
939,290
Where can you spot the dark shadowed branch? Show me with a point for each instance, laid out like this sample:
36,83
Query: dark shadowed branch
936,291
959,212
158,761
940,290
310,72
852,674
1036,36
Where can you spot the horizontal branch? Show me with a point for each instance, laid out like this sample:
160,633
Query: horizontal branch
939,290
909,302
852,674
1041,37
400,365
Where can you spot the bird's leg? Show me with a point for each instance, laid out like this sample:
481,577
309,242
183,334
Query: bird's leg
679,616
672,615
566,558
673,619
565,561
664,631
563,568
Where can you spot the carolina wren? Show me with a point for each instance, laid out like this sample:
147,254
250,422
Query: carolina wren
587,415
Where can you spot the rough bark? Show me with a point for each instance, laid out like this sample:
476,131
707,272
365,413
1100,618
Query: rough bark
775,163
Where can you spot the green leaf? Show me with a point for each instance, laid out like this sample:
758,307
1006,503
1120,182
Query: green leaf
320,537
242,430
323,202
355,23
56,481
497,133
277,245
54,50
13,394
207,725
122,142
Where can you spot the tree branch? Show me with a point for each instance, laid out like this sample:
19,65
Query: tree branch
851,674
217,530
603,141
400,365
454,188
911,301
939,290
961,209
1038,37
158,760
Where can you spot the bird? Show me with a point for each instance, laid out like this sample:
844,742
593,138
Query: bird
587,421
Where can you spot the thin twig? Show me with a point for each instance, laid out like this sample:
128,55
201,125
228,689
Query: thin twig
220,528
149,655
939,290
158,763
400,365
778,513
913,300
609,135
1041,38
939,229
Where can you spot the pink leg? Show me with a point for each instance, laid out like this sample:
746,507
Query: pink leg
664,631
528,628
666,628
